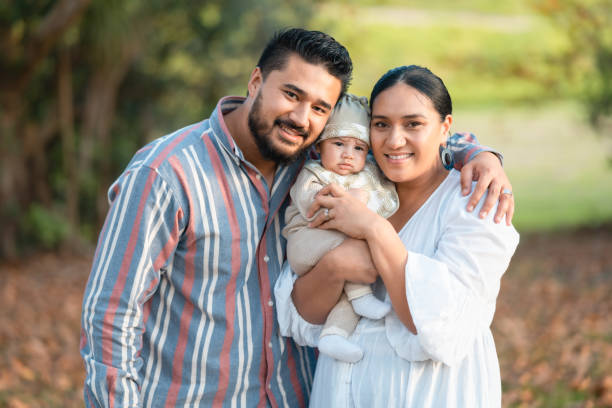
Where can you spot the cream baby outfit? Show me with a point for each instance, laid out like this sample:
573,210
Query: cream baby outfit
305,246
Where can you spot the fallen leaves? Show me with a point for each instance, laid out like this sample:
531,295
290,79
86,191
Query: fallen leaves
553,326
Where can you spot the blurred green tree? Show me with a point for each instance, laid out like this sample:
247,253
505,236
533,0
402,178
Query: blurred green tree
83,83
587,24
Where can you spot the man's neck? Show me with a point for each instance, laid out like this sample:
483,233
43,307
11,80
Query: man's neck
237,124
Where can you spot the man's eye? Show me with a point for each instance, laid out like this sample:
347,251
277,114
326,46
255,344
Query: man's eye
290,94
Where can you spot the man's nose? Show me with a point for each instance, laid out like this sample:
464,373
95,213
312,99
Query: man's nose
299,115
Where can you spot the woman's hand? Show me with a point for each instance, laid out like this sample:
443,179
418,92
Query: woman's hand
342,212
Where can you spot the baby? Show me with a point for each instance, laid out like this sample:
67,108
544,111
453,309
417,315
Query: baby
343,148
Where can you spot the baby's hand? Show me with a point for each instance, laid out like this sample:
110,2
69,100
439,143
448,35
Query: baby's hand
359,194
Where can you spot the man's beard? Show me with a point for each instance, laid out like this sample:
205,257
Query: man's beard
258,128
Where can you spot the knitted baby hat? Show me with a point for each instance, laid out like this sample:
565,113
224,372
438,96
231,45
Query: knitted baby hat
350,118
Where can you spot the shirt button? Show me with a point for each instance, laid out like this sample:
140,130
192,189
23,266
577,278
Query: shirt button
270,386
266,258
270,344
270,303
258,176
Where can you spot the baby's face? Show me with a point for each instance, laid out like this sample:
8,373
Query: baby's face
343,155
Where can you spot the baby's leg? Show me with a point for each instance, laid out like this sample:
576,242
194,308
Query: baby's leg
364,302
305,246
339,325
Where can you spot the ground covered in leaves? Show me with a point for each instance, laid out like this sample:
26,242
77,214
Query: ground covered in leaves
553,326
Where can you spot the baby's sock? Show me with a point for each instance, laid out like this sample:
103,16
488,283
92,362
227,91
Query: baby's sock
340,348
369,306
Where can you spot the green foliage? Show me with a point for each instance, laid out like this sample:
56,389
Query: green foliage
587,25
43,227
135,70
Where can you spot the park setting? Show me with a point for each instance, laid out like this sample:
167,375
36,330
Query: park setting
85,83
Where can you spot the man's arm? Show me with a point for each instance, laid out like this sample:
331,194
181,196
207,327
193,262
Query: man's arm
139,235
487,170
316,292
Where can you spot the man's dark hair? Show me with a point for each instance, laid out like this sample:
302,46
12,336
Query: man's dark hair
314,47
421,79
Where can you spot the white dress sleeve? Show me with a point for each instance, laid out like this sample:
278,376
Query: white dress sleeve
291,324
452,293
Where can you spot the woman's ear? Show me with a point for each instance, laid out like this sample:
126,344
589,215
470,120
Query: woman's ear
445,128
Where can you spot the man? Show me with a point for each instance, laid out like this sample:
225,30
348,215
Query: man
179,308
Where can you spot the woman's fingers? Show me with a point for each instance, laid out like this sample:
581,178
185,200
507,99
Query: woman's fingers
324,198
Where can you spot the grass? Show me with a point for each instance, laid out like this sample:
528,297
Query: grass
559,166
498,61
484,58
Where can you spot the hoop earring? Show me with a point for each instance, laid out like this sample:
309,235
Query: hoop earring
446,155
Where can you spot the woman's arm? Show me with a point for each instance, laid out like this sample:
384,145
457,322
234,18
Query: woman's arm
316,292
387,251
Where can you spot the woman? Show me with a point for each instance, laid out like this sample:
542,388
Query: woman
440,265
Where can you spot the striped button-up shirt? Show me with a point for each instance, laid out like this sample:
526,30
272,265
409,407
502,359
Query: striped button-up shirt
179,306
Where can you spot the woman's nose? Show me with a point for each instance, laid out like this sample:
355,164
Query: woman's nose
395,139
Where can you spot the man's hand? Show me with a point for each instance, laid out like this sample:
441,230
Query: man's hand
487,170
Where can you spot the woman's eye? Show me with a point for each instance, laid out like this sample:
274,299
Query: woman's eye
380,124
413,124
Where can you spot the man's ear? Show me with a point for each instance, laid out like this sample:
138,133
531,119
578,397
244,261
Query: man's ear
255,81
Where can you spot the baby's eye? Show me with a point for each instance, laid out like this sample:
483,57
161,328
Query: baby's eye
359,148
338,143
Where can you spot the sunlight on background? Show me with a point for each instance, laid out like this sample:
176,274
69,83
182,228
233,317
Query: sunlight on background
496,59
85,83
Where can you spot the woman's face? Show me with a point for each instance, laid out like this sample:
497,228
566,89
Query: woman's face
406,133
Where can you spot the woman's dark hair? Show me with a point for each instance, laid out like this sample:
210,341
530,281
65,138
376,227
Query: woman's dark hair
421,79
314,47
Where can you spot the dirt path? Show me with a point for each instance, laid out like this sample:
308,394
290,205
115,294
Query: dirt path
552,327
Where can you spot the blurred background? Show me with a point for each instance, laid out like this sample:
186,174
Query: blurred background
85,83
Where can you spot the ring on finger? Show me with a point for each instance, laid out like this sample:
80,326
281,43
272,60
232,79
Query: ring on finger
507,192
326,213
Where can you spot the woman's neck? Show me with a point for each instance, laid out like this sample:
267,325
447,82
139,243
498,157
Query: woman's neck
413,194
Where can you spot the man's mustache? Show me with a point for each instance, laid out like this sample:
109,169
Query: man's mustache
291,125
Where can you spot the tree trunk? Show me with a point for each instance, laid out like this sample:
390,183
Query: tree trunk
66,120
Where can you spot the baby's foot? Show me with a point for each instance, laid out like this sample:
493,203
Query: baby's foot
369,306
340,348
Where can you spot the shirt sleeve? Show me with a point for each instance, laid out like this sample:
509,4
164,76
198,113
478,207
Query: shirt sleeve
465,147
139,237
291,324
303,191
452,294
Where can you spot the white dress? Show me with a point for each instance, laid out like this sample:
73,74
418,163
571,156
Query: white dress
455,263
